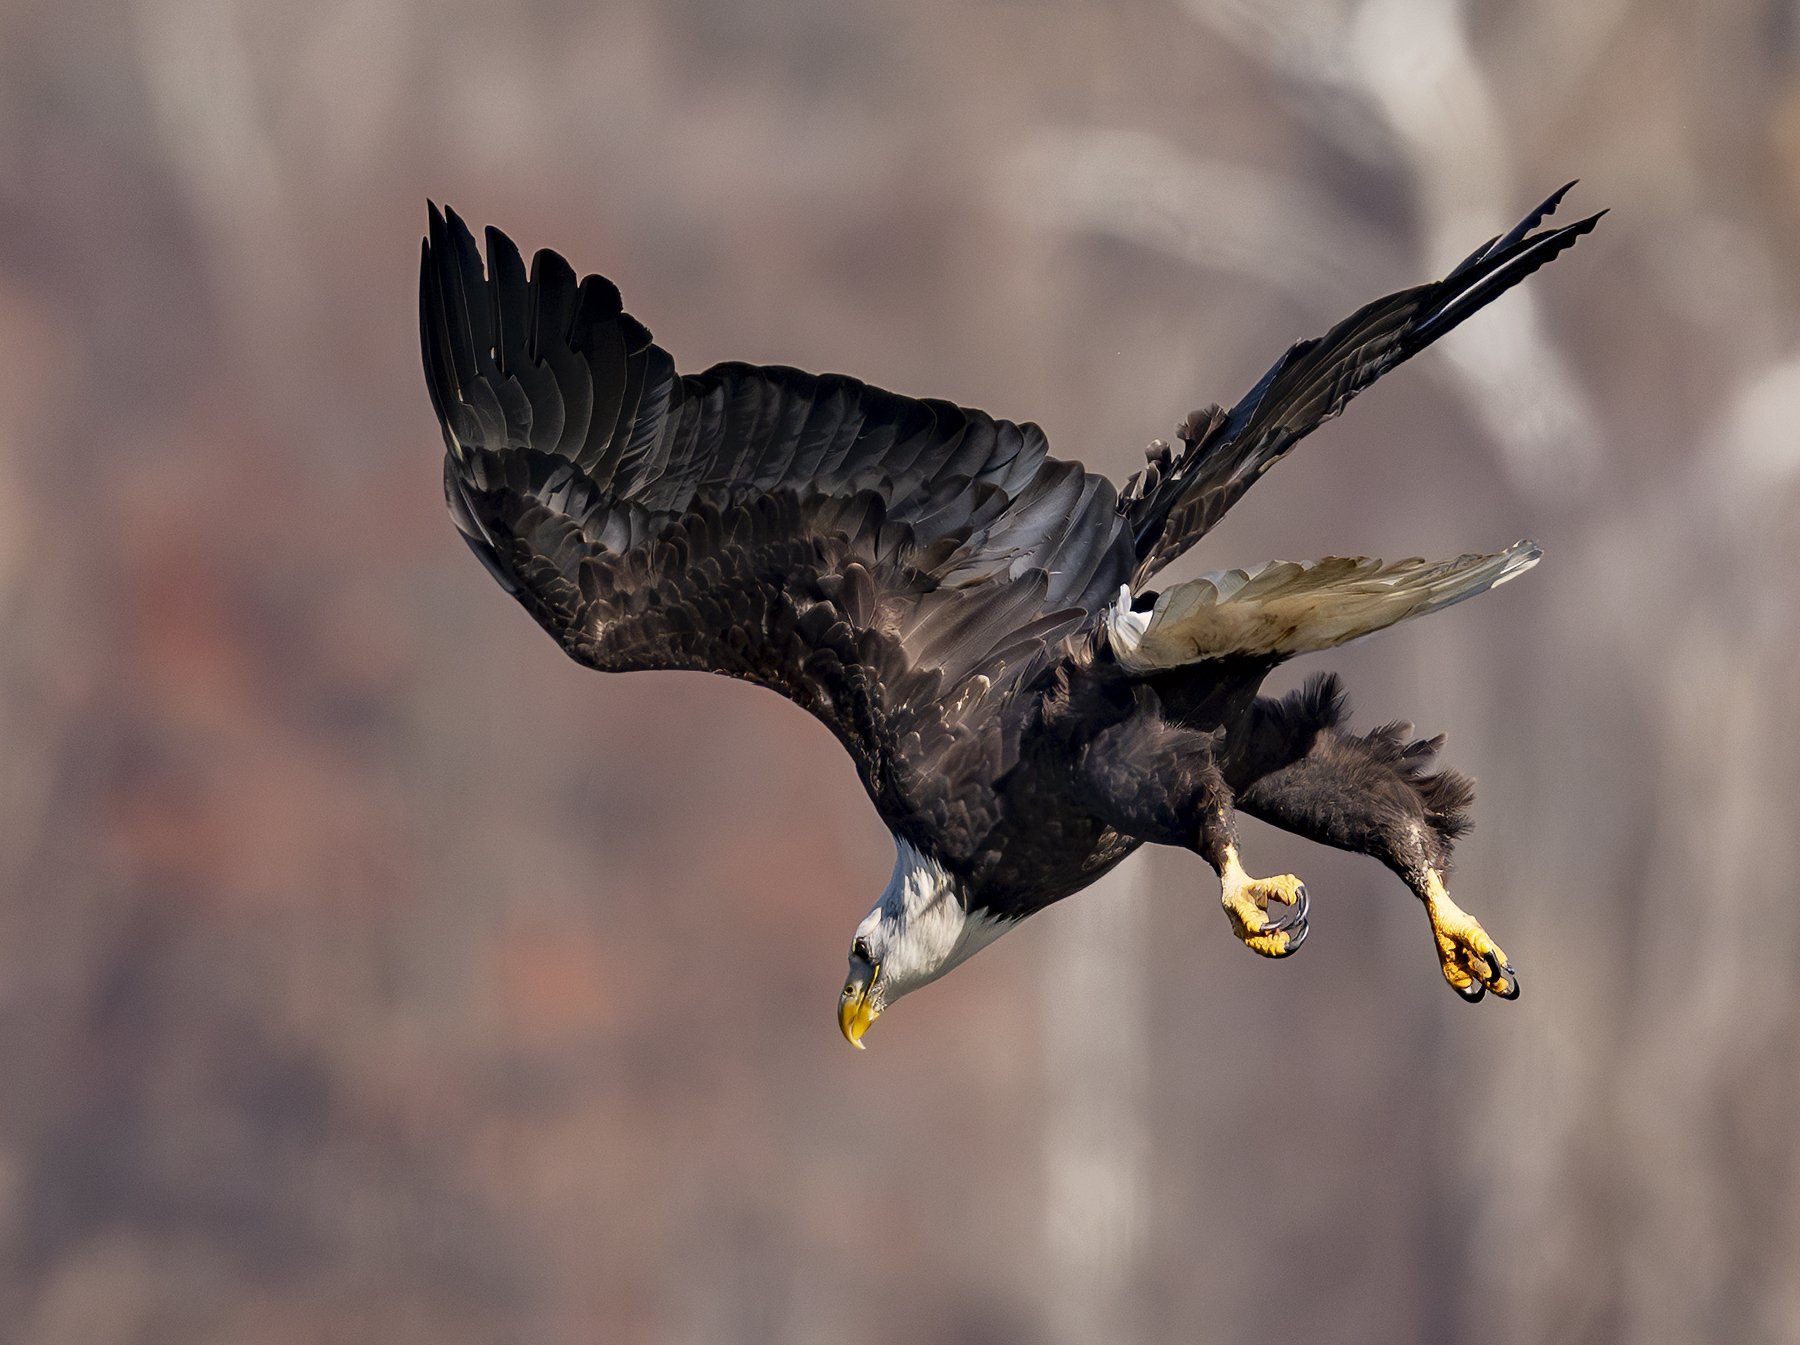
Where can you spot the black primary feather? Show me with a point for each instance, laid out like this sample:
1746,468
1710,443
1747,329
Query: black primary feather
1227,452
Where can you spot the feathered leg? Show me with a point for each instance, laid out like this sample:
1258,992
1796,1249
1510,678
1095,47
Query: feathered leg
1162,782
1300,770
1246,899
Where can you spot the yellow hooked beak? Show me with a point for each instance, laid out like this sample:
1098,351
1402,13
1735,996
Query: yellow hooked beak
855,1010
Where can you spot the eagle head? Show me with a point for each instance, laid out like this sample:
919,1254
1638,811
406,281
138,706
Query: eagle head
921,928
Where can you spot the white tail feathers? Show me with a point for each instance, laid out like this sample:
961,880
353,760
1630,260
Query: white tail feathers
1283,608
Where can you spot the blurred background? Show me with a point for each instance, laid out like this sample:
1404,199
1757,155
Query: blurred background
370,972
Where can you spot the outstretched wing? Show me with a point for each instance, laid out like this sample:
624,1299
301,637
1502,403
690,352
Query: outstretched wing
1175,503
1282,608
890,564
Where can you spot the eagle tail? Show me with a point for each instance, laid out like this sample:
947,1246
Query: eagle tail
1180,497
1283,608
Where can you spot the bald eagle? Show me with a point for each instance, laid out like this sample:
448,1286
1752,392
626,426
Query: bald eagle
970,616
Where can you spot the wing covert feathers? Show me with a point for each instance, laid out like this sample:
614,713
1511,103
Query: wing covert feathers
862,553
1283,608
1177,499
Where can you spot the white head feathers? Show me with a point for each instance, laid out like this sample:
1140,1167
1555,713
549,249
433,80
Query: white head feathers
919,929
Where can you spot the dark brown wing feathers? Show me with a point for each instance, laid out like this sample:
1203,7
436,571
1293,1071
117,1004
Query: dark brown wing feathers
861,552
1312,382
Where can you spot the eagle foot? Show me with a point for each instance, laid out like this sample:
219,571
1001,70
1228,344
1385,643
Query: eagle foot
1472,962
1246,902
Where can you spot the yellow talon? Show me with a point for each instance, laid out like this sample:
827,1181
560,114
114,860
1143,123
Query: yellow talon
1472,962
1246,902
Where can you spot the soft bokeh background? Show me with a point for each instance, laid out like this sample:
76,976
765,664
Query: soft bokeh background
369,972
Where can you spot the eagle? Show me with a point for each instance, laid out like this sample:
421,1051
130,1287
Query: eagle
972,618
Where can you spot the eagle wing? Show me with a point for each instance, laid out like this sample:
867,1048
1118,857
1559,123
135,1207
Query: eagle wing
1226,452
1282,608
892,565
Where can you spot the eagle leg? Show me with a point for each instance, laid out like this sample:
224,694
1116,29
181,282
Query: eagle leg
1160,782
1472,962
1246,899
1246,902
1300,770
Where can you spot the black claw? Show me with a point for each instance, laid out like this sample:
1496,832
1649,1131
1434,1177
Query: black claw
1295,918
1501,973
1474,993
1296,937
1504,969
1300,938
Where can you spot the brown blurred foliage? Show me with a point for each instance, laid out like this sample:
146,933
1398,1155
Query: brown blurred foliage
368,972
